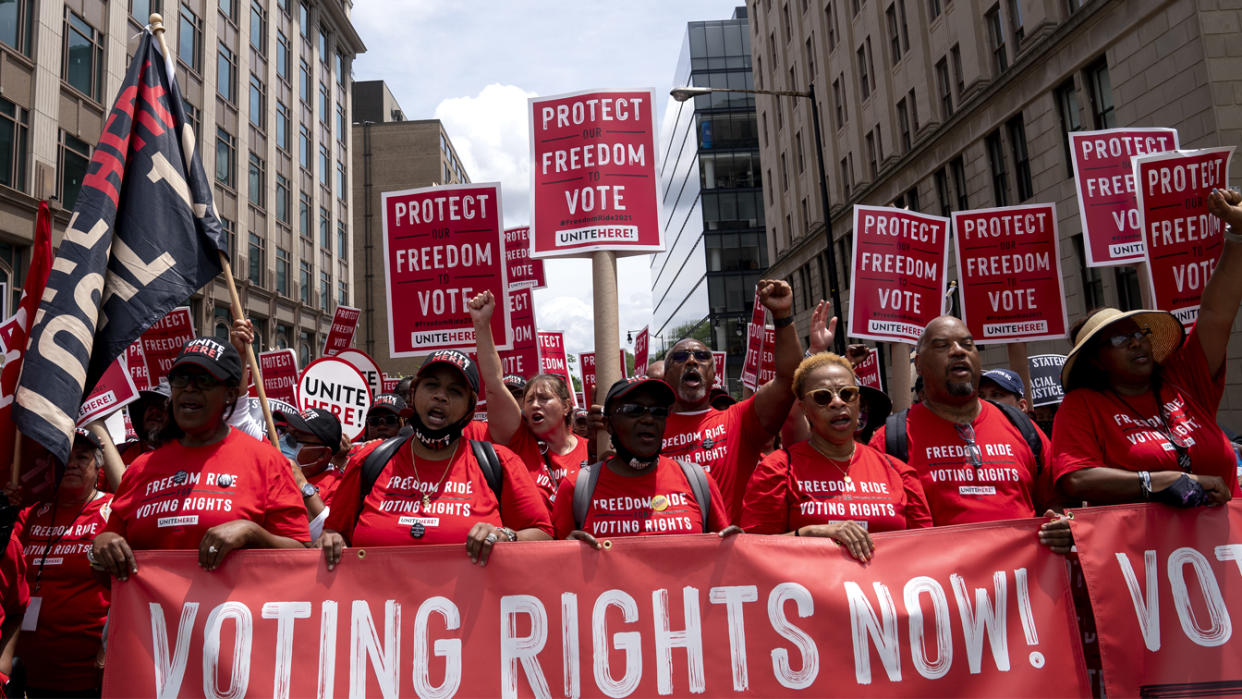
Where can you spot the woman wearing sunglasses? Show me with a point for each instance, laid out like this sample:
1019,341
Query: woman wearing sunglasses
831,485
208,486
1139,417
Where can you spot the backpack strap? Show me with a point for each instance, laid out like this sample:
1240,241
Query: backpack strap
896,441
1028,430
697,478
584,488
489,463
376,461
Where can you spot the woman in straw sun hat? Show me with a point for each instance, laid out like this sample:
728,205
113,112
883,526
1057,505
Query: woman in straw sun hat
1139,417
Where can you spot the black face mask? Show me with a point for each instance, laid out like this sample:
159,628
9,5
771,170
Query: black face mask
443,437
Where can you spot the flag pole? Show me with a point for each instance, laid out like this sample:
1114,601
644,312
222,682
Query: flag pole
16,470
157,28
607,333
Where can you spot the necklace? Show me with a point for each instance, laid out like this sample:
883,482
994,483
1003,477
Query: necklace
835,462
435,490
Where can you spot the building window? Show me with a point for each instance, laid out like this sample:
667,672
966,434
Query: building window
75,155
304,86
16,24
845,251
282,198
340,69
872,155
905,27
323,45
83,56
342,242
226,73
258,28
942,192
845,177
304,20
785,24
1129,295
325,230
342,292
282,272
192,115
255,259
1067,104
903,124
304,147
226,147
955,53
230,235
946,88
914,112
1092,281
228,8
1071,6
304,215
810,56
838,102
832,26
996,37
1015,24
784,174
304,276
806,218
340,180
257,179
282,56
1101,91
257,110
14,132
912,199
340,122
282,126
323,165
325,109
894,33
864,70
996,161
190,40
325,291
957,168
801,153
933,6
1021,158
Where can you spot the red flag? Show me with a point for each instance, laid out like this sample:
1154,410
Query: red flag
15,331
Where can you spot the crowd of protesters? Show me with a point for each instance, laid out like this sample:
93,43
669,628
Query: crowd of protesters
810,454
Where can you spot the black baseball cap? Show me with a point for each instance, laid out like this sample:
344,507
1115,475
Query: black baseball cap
87,435
217,358
391,402
320,423
662,391
458,360
514,381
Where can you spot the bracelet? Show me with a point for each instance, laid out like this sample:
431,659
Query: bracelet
508,533
808,354
1145,484
1232,236
783,322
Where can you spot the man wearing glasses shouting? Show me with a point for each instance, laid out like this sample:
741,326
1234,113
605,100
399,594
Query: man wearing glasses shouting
978,461
728,443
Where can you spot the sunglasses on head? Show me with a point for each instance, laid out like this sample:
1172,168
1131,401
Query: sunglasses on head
1123,339
824,396
684,355
201,381
377,420
636,410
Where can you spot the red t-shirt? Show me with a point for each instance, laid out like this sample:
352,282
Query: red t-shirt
883,493
14,592
60,652
327,481
726,443
1004,487
547,477
657,502
170,497
394,504
1104,429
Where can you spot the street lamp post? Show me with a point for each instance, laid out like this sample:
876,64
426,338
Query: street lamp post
681,94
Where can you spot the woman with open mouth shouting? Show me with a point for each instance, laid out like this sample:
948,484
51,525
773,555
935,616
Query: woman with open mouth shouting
539,429
831,485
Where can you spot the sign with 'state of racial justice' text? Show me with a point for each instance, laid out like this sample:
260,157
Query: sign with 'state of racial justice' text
443,245
594,184
1009,268
900,273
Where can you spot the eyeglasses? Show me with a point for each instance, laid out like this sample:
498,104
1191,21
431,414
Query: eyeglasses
1125,338
377,420
824,396
684,355
973,453
636,410
201,381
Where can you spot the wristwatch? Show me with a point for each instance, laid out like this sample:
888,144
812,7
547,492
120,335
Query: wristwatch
309,491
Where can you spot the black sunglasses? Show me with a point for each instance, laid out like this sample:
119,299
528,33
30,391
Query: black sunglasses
683,355
636,410
824,396
377,420
202,382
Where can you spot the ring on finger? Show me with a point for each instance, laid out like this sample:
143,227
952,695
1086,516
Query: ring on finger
213,549
491,538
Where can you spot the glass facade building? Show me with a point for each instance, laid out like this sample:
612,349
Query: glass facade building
703,284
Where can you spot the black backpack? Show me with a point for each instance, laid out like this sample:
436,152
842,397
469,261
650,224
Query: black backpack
484,453
584,489
897,441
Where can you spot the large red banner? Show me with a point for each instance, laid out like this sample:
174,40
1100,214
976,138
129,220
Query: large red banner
1162,583
162,342
976,610
586,364
341,335
1009,270
901,261
280,374
1183,241
443,245
1112,232
594,184
640,352
524,271
552,359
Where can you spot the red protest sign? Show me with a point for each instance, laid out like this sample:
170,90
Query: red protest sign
115,390
718,363
586,361
766,361
525,272
594,184
900,273
523,359
341,336
1183,241
754,342
868,370
442,245
390,383
1112,234
137,363
280,374
335,385
162,342
640,352
976,610
552,358
1162,581
1009,271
